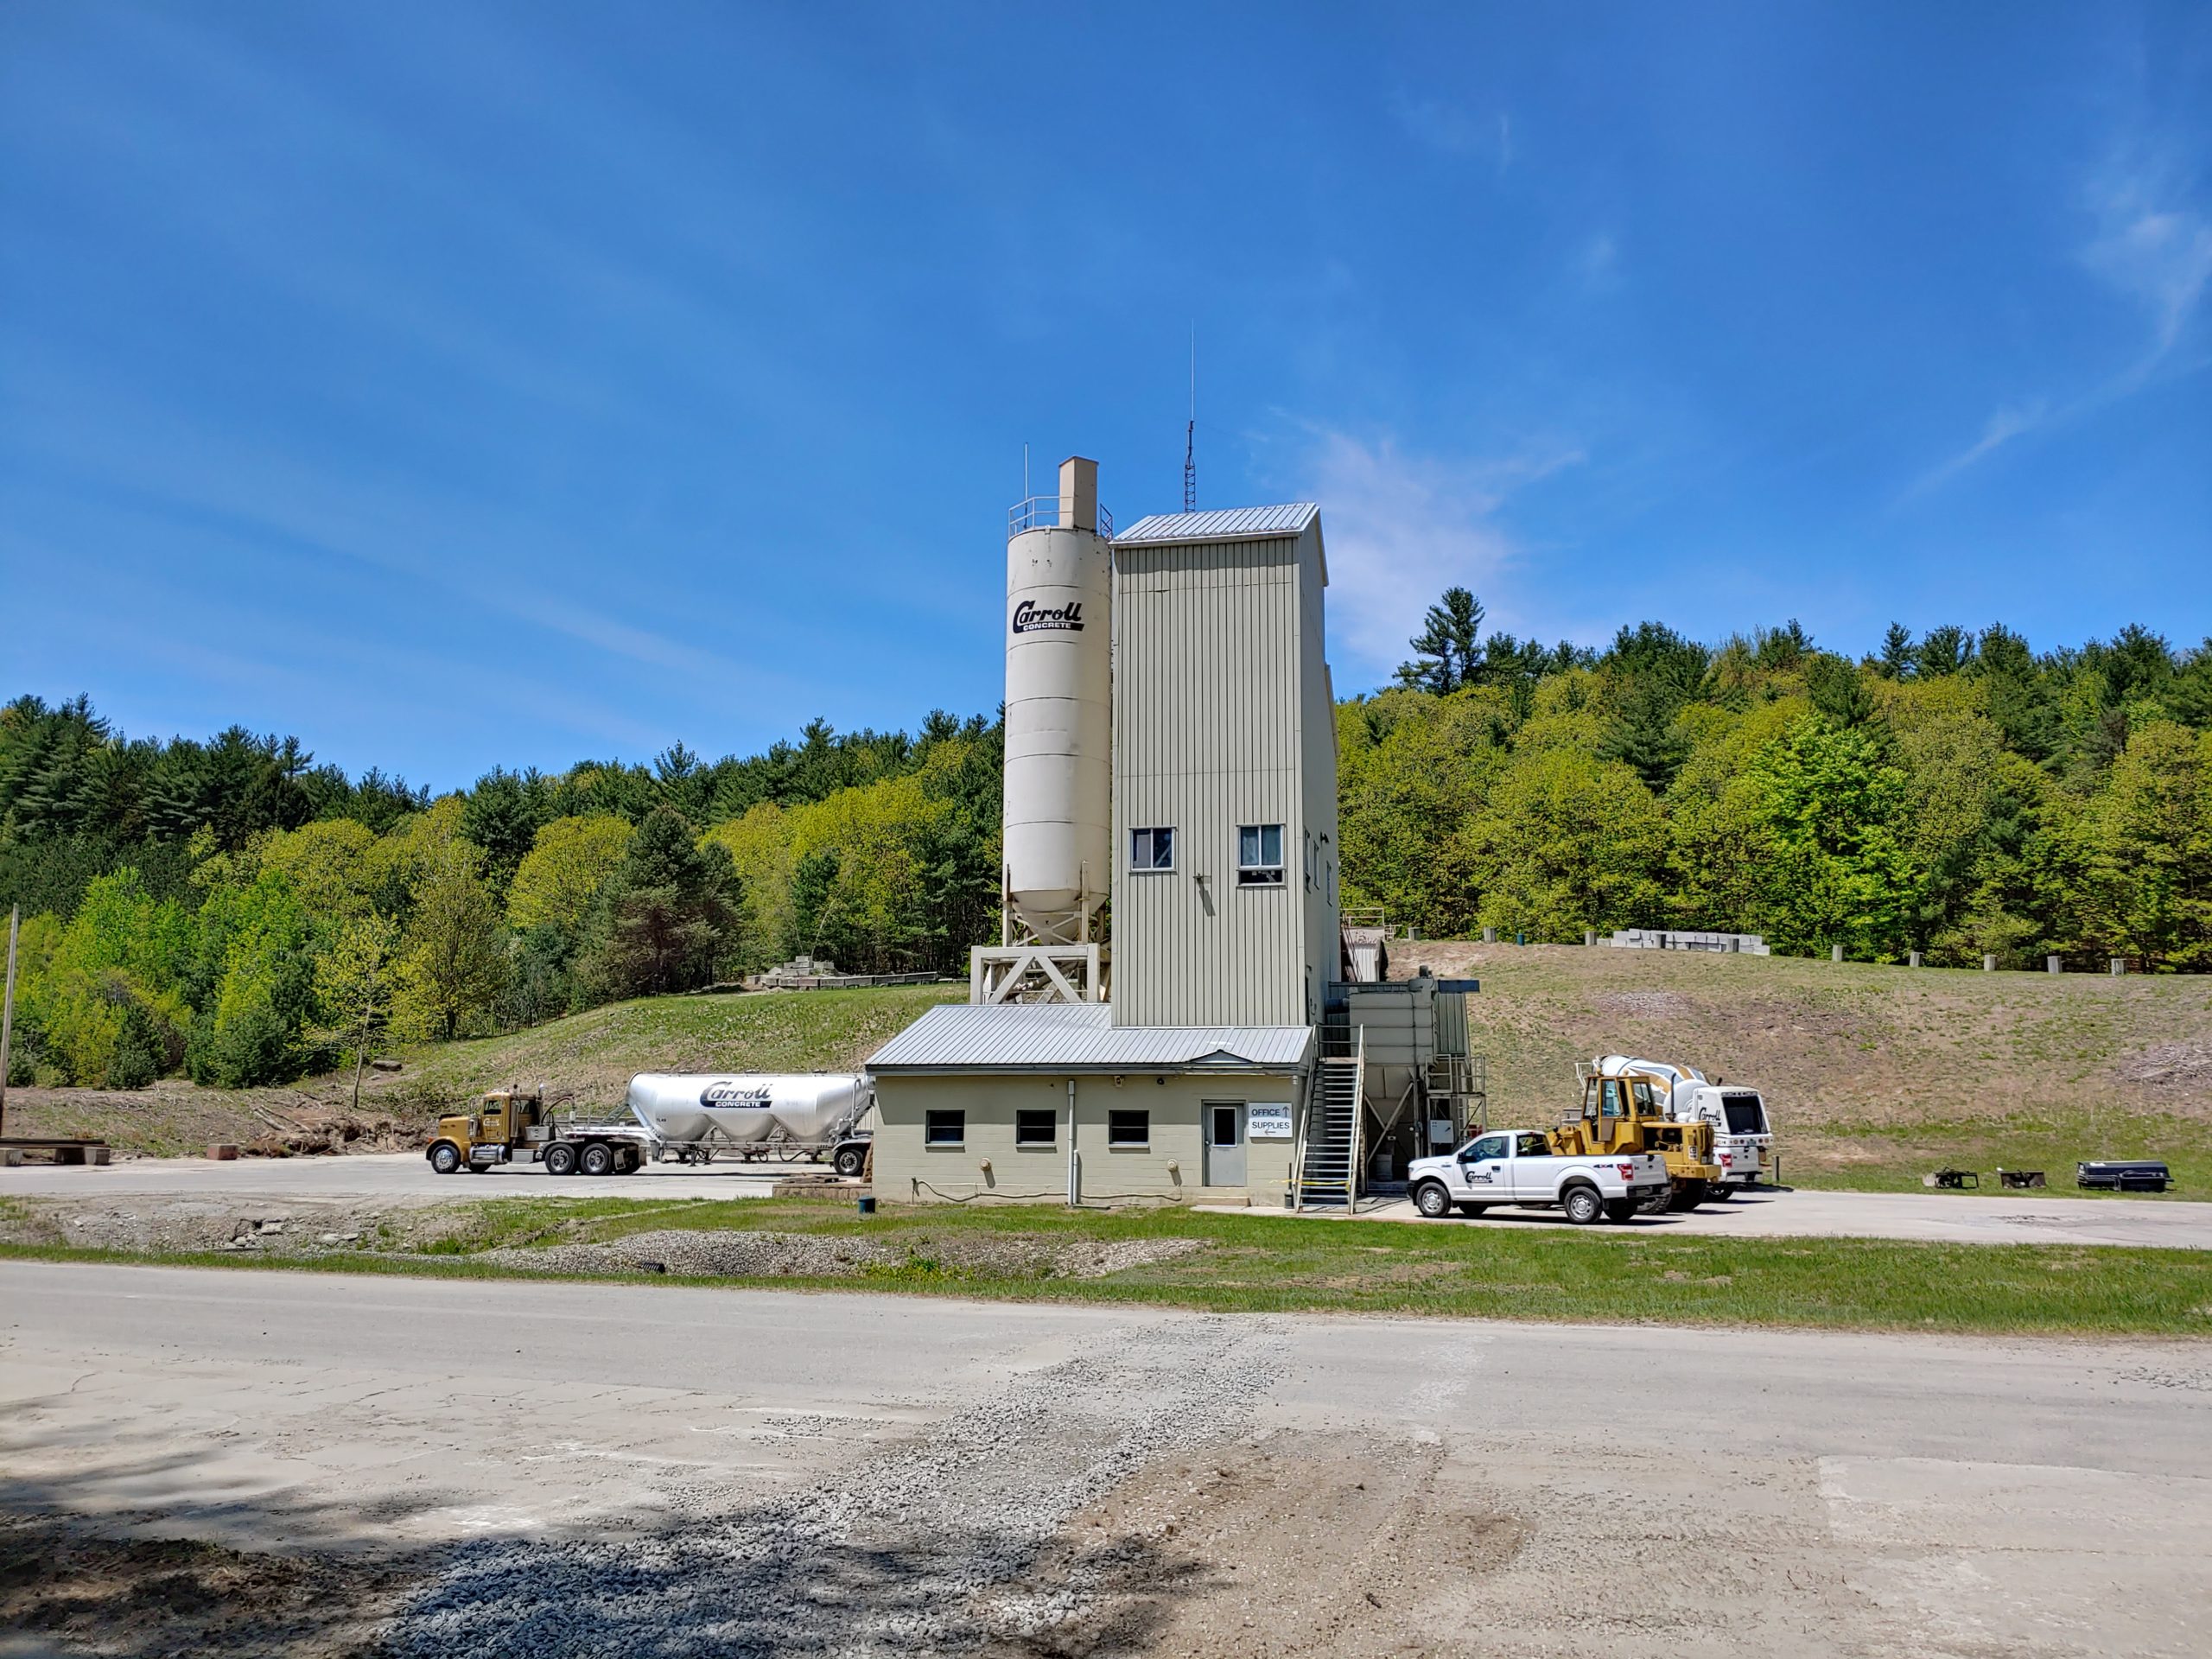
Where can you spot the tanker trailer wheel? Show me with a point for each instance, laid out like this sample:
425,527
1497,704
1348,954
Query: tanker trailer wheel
851,1161
1431,1200
560,1160
597,1159
445,1157
632,1161
1583,1204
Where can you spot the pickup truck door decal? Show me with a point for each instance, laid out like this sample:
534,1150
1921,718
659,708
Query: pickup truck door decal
1486,1170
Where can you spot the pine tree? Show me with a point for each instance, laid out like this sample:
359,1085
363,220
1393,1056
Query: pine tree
1447,645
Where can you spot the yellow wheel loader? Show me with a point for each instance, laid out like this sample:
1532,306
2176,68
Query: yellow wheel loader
1628,1112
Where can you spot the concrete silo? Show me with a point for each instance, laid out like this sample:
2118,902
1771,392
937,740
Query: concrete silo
1057,867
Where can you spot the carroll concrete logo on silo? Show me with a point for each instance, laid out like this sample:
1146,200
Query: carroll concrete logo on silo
1030,617
733,1094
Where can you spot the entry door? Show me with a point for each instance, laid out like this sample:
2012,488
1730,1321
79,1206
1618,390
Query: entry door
1224,1128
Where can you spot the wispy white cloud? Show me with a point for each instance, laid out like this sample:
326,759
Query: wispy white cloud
1401,528
2151,245
1455,130
2007,423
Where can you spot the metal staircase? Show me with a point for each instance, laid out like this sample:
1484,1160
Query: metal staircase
1328,1173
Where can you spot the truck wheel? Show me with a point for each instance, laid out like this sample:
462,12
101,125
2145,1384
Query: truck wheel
1687,1195
560,1160
1431,1200
627,1160
1720,1192
1583,1204
851,1159
597,1159
1619,1208
445,1157
1472,1210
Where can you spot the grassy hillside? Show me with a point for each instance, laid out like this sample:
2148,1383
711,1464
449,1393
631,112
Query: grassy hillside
593,1054
597,1054
1873,1075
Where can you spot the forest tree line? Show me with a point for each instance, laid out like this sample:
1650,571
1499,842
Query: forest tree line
230,910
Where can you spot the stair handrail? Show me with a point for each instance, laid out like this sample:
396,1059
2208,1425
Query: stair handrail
1359,1122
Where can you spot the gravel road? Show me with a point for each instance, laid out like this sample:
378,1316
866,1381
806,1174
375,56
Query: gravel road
660,1470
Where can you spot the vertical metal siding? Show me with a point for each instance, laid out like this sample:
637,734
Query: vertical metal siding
1217,668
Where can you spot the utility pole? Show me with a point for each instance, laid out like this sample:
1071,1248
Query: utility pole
8,1010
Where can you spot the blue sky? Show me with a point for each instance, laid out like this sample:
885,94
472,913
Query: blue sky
453,384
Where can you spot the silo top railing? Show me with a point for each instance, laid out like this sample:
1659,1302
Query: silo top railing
1043,513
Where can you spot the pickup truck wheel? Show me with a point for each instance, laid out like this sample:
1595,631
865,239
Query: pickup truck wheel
560,1160
1720,1192
1431,1200
1583,1204
1619,1208
597,1159
445,1157
1470,1210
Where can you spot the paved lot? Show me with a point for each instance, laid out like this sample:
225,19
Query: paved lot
1942,1218
1949,1218
382,1176
602,1469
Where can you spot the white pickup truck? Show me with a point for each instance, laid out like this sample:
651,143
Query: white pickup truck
1518,1166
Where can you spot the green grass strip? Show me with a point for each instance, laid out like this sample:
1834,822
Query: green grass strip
1268,1265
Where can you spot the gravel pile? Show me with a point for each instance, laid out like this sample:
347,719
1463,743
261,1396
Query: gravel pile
809,1255
921,1549
732,1255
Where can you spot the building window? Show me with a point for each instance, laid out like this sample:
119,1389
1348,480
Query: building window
945,1129
1151,849
1259,855
1033,1127
1129,1128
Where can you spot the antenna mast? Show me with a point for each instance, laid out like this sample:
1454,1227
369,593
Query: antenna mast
1190,433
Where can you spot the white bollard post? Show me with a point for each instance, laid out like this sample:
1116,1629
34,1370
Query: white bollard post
2119,966
1914,960
1490,936
2054,964
1989,964
1589,935
1835,953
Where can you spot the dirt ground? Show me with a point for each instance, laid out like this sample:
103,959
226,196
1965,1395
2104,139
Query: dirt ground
1263,1550
64,1588
175,1117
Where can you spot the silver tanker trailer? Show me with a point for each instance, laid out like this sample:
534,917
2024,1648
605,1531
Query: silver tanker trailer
695,1117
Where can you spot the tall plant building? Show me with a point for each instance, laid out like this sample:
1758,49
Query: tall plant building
1177,1050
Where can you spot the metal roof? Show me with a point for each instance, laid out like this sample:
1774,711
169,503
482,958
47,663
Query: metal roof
1225,524
1081,1037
